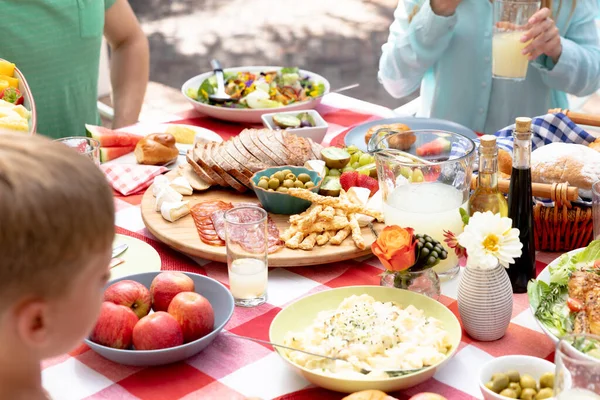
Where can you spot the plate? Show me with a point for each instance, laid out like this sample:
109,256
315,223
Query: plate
28,101
356,136
300,314
139,257
544,276
147,129
183,236
247,114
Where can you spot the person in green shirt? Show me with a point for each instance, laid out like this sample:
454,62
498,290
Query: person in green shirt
56,44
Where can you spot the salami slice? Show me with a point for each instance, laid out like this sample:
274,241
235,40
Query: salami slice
201,213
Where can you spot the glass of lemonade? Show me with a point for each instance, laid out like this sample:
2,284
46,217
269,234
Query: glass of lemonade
510,23
425,183
577,374
247,250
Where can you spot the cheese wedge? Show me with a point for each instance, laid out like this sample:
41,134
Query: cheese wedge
182,185
359,195
316,165
159,184
172,211
168,194
374,203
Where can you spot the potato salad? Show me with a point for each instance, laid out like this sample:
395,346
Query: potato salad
372,335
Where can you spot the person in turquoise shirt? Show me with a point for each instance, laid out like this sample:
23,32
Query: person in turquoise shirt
56,44
445,47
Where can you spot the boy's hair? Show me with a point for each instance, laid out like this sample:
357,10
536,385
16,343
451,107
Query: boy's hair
56,209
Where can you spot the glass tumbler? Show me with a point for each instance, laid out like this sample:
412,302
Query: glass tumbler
87,146
425,178
247,251
596,208
510,23
577,373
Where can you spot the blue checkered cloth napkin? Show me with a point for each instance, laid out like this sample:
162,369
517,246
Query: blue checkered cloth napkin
547,129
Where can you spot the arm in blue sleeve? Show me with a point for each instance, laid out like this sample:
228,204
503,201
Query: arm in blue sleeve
413,46
578,68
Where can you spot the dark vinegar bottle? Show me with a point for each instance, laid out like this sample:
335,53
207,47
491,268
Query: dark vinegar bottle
520,206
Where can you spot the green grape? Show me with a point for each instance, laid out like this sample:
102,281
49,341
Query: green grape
355,165
347,168
326,171
354,158
352,149
364,171
334,172
364,159
406,172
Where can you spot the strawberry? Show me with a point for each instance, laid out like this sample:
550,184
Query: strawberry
348,179
367,182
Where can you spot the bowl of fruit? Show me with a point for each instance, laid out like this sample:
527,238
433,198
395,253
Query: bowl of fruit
157,318
271,186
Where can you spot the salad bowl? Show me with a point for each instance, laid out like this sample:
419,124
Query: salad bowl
241,113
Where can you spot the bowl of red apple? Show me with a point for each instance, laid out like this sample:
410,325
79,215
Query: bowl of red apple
158,318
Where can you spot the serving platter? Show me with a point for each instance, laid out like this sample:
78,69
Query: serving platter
183,236
28,101
356,136
248,114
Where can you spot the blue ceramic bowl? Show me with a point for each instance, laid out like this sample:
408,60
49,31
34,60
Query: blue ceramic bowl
283,203
222,303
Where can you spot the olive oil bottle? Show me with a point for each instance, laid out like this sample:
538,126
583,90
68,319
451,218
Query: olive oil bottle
520,206
487,197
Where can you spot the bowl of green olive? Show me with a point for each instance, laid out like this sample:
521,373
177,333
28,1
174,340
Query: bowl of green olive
271,186
517,377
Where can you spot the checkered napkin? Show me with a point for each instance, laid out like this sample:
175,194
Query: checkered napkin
131,178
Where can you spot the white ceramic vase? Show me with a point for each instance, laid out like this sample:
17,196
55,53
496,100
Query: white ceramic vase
485,302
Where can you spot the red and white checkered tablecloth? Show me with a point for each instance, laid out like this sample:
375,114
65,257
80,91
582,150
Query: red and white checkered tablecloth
230,369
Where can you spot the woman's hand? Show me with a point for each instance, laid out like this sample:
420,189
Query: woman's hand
544,36
445,8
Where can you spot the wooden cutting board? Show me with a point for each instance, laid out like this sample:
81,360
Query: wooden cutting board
182,235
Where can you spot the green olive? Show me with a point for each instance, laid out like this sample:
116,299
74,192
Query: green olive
286,171
545,393
273,183
528,394
516,387
288,183
513,375
490,385
527,381
304,177
282,189
309,185
500,382
263,183
270,190
298,184
290,176
279,175
511,394
547,380
264,177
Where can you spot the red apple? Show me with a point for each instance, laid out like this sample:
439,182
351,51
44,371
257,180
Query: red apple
166,285
130,294
157,331
427,396
194,313
114,326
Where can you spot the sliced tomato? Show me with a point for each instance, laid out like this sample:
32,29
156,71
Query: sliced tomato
574,304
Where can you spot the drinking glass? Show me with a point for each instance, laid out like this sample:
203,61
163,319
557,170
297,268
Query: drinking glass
596,208
87,146
247,250
577,373
510,23
425,177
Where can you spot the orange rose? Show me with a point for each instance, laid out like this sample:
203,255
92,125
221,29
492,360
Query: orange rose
395,248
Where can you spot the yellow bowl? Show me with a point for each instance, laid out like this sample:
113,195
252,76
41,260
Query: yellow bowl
300,314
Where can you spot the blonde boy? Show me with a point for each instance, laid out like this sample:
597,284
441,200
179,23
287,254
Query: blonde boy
56,233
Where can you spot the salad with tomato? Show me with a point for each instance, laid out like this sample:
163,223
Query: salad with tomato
570,301
267,89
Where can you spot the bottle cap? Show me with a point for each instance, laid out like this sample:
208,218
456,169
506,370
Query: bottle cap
523,124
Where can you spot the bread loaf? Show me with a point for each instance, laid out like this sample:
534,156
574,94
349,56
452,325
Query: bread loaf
575,164
156,149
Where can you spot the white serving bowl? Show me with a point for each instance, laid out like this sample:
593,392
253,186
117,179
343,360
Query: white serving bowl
249,114
316,133
533,366
28,101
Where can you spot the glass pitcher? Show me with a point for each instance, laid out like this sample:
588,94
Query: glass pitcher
425,177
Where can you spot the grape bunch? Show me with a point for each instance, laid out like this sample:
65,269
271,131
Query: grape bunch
359,161
428,252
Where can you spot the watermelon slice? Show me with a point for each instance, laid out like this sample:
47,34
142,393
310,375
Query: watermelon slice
110,153
109,138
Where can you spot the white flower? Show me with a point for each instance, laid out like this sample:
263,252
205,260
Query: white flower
490,239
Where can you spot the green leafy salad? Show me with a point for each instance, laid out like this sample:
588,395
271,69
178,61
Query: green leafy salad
268,89
551,301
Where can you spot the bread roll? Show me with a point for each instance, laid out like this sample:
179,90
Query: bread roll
369,395
575,164
595,145
400,142
504,162
156,149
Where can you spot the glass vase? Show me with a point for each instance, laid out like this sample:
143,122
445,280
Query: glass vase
425,282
